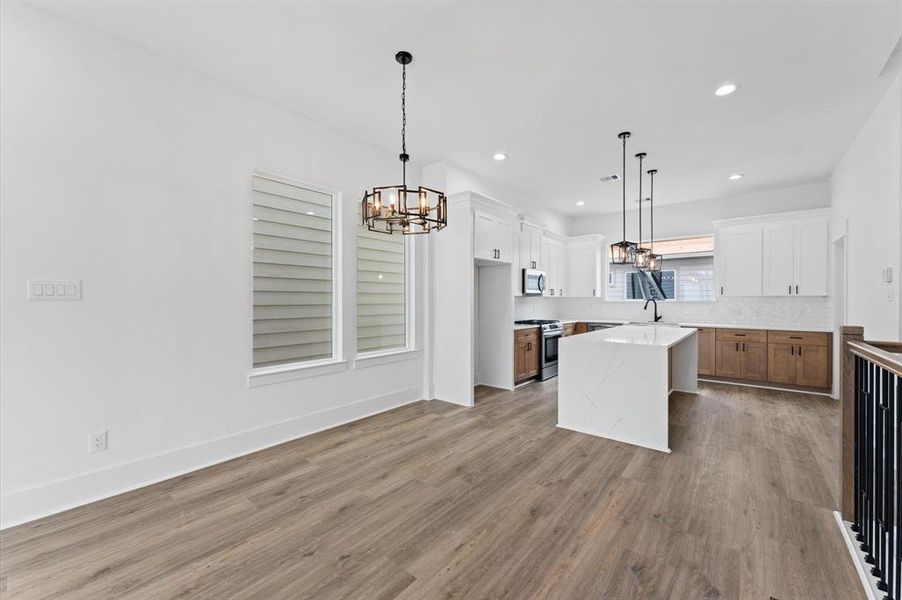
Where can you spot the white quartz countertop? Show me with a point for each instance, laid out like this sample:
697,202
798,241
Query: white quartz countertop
519,327
716,325
664,336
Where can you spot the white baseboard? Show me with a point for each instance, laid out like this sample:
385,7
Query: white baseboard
29,504
867,581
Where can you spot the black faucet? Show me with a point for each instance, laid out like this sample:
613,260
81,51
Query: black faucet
657,317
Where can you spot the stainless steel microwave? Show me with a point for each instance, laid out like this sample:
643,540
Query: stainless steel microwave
533,282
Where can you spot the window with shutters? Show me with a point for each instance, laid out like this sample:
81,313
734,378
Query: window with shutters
294,265
381,292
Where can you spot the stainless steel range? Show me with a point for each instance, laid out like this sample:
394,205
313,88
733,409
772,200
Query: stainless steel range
551,333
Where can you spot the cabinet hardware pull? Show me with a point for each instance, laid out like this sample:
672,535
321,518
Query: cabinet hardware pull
795,337
790,288
800,351
792,350
721,290
797,290
737,346
740,335
743,346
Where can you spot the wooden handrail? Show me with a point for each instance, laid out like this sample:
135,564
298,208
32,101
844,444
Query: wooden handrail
890,361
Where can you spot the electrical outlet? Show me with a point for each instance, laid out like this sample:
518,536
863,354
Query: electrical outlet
97,442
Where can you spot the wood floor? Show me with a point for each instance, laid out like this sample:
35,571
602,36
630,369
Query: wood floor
437,501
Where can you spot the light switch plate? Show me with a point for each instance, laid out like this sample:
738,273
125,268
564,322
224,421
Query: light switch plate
54,289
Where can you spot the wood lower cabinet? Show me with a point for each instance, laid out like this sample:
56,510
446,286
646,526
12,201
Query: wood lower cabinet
580,327
741,354
728,361
569,329
526,354
799,358
707,350
754,360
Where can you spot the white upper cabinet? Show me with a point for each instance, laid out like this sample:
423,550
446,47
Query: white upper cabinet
778,258
778,255
739,260
810,260
531,247
795,257
554,263
584,269
493,237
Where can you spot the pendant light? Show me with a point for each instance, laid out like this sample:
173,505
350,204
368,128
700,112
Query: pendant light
622,252
395,208
654,260
640,259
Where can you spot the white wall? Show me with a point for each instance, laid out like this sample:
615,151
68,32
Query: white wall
691,218
865,195
133,175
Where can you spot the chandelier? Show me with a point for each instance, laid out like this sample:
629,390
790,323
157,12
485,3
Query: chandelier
397,208
623,252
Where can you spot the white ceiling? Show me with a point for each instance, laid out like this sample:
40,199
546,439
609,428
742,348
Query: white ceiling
551,83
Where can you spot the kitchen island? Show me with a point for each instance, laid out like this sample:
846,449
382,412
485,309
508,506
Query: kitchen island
615,383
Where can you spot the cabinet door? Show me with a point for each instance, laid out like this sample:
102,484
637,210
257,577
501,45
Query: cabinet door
521,369
483,234
728,359
779,250
535,248
503,239
739,260
706,352
810,259
813,366
532,356
754,360
781,363
584,275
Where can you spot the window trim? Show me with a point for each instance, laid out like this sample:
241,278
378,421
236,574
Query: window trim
311,368
408,350
607,271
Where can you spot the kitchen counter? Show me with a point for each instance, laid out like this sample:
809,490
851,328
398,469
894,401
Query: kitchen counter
615,383
698,325
714,325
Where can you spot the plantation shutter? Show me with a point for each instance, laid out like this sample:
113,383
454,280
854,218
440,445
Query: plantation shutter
292,273
381,306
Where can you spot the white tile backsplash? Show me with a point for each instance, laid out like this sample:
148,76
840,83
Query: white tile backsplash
809,312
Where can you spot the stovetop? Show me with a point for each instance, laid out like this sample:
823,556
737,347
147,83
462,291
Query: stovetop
545,324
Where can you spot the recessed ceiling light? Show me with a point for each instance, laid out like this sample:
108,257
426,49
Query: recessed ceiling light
580,203
726,89
500,156
735,176
311,213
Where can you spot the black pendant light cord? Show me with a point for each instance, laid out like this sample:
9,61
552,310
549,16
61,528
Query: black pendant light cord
404,156
651,195
641,157
623,136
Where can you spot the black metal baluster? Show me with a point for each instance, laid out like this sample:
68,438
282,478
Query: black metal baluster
879,517
898,520
889,506
860,422
868,470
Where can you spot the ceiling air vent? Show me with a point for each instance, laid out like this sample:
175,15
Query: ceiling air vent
607,178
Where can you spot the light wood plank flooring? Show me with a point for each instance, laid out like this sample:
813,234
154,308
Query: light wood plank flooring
436,501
